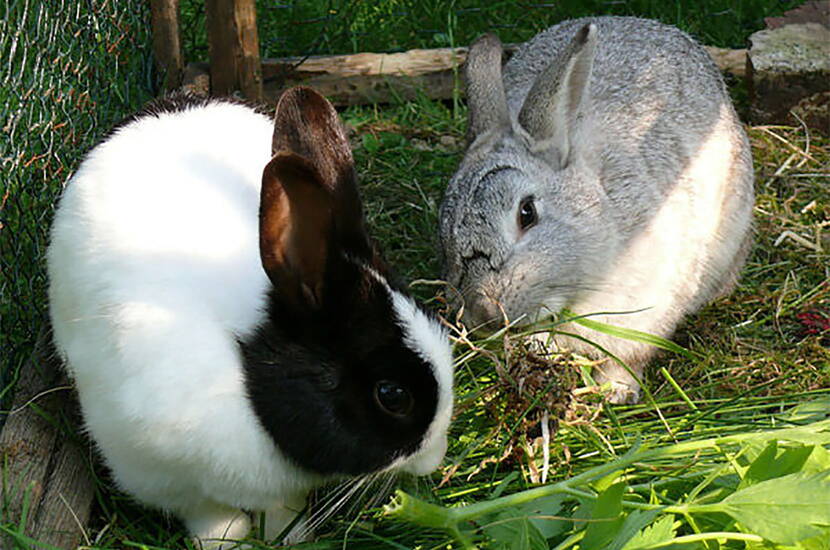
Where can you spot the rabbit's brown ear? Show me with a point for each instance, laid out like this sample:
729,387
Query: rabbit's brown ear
552,108
485,90
307,125
295,227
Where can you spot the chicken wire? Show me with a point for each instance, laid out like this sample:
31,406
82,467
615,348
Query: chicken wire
69,69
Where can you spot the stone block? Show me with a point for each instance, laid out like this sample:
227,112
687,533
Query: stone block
788,67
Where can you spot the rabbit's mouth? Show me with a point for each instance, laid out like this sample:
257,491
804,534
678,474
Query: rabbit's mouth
487,312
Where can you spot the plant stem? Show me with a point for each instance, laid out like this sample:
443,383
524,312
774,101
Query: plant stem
423,513
704,537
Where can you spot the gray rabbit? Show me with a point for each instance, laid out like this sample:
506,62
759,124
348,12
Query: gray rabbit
606,172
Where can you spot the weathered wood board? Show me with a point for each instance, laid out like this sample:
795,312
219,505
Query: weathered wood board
47,487
383,77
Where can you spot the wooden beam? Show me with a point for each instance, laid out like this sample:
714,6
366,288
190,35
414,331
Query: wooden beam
45,464
233,45
379,78
164,15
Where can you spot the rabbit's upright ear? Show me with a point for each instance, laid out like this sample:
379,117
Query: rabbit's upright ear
487,105
559,95
295,226
310,207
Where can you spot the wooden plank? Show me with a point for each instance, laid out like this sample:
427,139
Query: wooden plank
379,78
368,77
233,45
45,465
164,15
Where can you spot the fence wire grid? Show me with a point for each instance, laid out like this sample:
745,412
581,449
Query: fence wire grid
69,70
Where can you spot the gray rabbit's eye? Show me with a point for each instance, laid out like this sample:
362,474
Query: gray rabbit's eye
392,398
527,214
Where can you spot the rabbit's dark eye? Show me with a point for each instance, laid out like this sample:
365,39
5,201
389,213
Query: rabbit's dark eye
527,214
392,398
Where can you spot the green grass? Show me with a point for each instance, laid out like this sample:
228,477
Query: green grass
755,360
755,355
347,26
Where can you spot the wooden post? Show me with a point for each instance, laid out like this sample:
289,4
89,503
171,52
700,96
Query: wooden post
44,463
233,44
167,42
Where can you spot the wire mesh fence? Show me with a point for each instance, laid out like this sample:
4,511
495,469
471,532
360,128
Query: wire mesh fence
311,27
69,69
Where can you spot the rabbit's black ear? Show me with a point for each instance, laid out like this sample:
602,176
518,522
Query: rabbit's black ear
295,227
485,90
559,95
307,125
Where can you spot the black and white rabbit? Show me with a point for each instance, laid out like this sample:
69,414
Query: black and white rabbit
606,171
233,334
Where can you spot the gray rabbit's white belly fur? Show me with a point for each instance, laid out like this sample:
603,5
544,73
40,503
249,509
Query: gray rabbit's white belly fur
663,160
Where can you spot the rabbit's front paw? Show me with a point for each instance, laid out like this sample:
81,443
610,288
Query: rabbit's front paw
278,518
623,393
217,527
624,387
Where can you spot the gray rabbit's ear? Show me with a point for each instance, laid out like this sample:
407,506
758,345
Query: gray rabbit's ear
485,90
553,106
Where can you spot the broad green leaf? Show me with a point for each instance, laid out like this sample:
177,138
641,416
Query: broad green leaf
605,482
515,532
771,464
538,512
635,521
661,530
529,538
818,461
821,542
784,510
606,519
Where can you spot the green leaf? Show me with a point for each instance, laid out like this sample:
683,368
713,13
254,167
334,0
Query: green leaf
635,521
606,519
506,525
529,538
661,530
784,510
605,482
821,542
818,461
514,531
770,464
543,509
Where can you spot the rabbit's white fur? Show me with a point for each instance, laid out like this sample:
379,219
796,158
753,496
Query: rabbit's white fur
154,275
180,433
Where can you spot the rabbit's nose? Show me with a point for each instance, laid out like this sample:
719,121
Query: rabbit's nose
481,310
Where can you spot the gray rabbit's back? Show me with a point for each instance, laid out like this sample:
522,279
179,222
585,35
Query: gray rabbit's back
607,171
655,95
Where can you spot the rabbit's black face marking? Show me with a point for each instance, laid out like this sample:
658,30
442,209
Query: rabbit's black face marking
340,391
330,370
